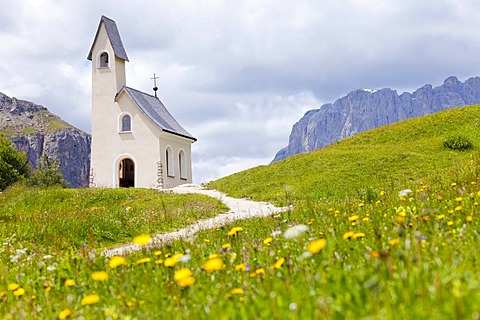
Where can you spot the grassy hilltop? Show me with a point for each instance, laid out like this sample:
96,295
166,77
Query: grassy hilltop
383,225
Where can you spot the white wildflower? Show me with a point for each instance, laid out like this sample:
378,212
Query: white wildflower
404,193
295,231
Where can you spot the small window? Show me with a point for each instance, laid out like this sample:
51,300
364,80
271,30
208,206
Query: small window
182,162
126,123
169,158
104,60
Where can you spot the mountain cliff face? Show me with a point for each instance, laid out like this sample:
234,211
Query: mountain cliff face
365,109
37,132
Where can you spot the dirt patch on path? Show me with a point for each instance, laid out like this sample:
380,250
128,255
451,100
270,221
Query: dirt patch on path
240,209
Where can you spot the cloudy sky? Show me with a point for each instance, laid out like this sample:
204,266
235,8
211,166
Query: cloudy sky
237,74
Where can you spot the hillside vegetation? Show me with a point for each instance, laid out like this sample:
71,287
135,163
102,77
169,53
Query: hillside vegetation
383,226
389,156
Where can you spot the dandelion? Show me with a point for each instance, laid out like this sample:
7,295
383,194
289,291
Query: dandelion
404,193
99,275
459,199
394,242
260,271
450,223
382,193
214,264
184,277
19,292
353,218
142,239
234,231
358,235
361,204
170,262
453,184
374,254
64,314
143,260
13,286
440,217
278,264
90,299
295,231
157,253
458,208
348,235
317,245
226,246
240,267
268,241
69,283
310,221
236,291
469,218
3,293
116,261
212,256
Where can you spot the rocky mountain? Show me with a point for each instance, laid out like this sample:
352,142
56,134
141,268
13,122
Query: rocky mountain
37,132
365,109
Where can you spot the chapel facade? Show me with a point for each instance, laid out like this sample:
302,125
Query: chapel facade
135,140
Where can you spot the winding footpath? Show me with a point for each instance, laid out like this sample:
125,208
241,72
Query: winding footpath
240,209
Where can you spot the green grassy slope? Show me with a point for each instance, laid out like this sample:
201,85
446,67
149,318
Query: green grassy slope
387,156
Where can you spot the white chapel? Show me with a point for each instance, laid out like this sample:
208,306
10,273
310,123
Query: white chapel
135,140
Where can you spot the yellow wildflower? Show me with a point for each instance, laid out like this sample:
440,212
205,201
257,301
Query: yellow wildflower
358,235
100,275
361,204
240,267
440,217
450,223
159,261
469,218
317,245
260,271
142,239
64,314
459,199
236,291
19,292
69,283
278,264
116,261
394,242
90,299
212,256
382,193
213,264
170,262
374,254
234,231
458,208
3,293
268,241
143,260
226,246
13,286
348,235
184,277
353,218
158,253
453,184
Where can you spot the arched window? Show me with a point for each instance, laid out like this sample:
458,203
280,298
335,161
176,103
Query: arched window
126,124
170,165
182,164
103,59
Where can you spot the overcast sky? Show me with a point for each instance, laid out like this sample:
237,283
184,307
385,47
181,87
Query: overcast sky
237,74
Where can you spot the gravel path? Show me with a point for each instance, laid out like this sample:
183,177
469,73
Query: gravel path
240,209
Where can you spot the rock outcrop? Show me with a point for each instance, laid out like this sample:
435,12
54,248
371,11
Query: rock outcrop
365,109
37,132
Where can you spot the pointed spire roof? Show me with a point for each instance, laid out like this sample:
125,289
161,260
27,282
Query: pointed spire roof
113,36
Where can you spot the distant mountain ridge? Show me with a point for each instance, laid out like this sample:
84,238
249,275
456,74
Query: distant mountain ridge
37,132
365,109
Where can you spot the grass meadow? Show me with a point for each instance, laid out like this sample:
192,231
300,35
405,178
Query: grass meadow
384,225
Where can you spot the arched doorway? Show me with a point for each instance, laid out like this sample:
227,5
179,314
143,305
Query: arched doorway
126,174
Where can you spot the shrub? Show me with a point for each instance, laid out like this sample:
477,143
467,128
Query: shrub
13,164
457,143
47,174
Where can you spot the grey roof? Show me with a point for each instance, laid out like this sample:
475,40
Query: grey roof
154,109
113,36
